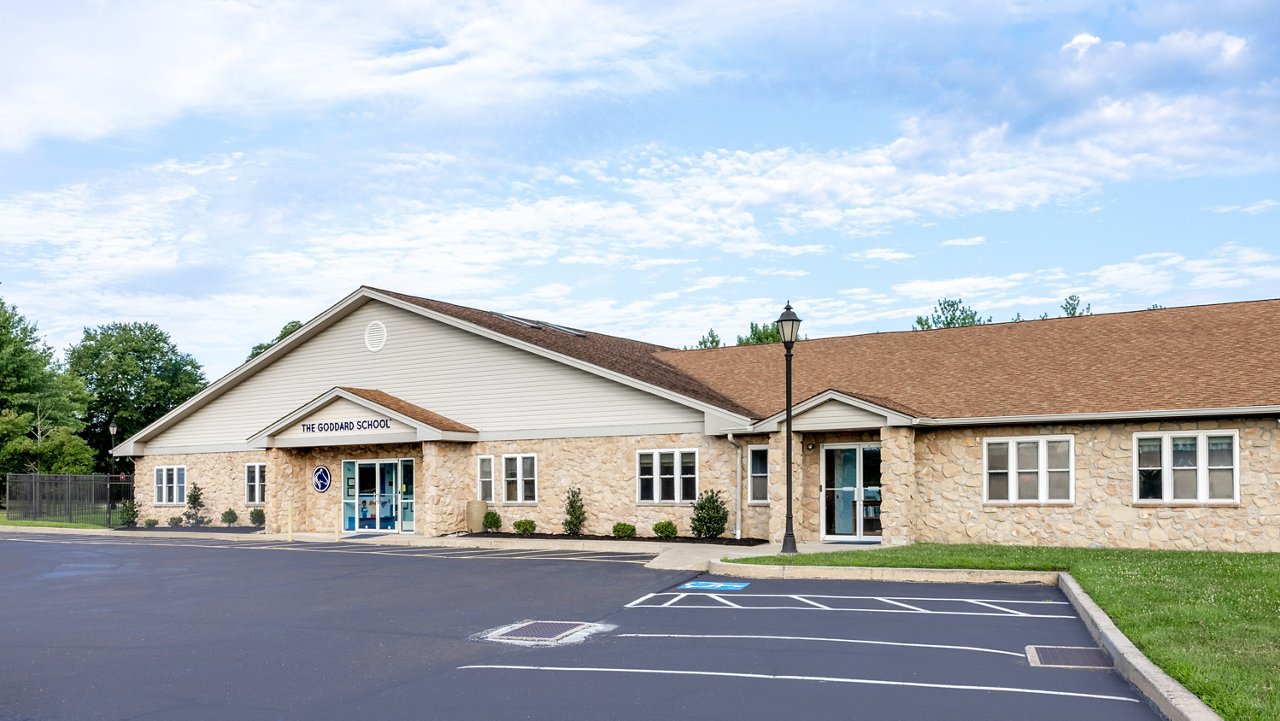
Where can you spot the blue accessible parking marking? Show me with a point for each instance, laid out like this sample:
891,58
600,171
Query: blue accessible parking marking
713,586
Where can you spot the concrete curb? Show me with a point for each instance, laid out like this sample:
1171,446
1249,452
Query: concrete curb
881,573
213,535
1171,698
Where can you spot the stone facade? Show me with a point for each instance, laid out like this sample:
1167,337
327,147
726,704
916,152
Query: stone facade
219,475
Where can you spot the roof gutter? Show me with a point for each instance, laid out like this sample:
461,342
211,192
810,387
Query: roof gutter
1106,416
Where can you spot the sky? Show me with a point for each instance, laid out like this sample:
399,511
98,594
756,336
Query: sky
649,169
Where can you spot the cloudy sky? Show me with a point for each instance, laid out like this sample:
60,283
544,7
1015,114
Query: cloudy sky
648,169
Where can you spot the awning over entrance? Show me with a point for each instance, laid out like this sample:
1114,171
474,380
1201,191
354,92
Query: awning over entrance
352,416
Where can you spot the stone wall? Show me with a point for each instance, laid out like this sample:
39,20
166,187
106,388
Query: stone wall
291,499
219,475
949,481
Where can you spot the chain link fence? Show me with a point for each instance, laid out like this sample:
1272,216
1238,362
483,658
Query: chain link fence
92,499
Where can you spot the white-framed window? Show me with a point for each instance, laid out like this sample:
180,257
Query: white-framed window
667,476
1186,467
171,485
484,478
255,483
1029,469
758,474
520,476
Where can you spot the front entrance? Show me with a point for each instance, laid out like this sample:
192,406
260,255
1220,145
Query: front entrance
377,496
851,491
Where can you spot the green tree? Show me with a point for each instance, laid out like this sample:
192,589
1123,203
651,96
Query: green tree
1071,307
950,313
41,406
134,374
710,340
762,334
285,332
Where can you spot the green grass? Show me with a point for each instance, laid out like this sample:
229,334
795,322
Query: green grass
48,524
1211,620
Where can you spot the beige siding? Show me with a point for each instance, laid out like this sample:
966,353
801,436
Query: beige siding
834,415
486,384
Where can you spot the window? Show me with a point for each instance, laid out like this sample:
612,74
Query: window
667,476
255,483
1186,467
171,485
484,474
758,491
520,474
1034,469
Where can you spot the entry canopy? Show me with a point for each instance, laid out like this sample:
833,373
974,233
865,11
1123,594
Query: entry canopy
350,416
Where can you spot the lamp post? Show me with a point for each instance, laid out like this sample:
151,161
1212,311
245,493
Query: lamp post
112,430
788,328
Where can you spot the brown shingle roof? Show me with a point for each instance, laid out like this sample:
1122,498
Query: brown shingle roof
1198,357
405,408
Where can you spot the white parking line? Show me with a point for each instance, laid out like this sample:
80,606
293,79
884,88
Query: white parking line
805,602
977,649
821,679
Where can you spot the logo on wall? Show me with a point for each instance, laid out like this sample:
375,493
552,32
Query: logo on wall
320,479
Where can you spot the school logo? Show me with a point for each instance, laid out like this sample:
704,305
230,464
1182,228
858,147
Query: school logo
320,479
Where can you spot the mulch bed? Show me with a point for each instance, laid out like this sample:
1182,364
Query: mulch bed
195,529
677,539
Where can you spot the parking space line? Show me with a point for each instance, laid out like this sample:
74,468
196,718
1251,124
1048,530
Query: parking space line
805,602
998,608
674,599
904,605
977,649
819,679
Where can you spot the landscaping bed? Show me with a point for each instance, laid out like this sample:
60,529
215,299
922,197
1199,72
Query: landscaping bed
1209,619
563,537
195,529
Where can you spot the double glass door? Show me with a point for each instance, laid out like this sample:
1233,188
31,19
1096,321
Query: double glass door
851,491
377,496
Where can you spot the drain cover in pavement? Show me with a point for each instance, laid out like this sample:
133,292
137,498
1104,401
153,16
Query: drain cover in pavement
1068,657
539,631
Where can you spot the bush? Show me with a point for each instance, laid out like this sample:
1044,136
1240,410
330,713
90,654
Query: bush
258,517
492,521
128,513
195,507
175,521
230,516
624,530
664,529
525,526
151,523
574,514
710,515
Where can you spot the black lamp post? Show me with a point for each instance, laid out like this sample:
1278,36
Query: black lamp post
789,328
112,430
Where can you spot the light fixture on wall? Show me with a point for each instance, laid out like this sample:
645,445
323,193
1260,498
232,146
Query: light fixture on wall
809,446
789,329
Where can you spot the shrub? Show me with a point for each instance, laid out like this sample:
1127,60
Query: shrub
624,530
664,529
128,513
574,514
492,521
525,526
151,523
230,516
258,517
710,515
195,507
175,521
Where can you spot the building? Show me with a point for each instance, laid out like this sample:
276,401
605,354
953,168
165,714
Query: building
1145,429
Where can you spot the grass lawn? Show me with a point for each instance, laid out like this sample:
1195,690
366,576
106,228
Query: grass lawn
1211,620
48,524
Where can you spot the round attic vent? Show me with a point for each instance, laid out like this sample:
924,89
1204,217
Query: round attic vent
375,336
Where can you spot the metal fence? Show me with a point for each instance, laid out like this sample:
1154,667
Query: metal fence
91,499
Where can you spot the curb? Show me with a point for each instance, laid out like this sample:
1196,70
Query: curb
1171,698
108,532
881,573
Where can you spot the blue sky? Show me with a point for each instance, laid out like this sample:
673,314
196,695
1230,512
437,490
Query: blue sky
650,169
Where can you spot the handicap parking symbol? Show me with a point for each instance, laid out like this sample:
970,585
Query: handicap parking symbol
713,586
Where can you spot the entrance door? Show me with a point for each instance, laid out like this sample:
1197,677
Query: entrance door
372,498
851,491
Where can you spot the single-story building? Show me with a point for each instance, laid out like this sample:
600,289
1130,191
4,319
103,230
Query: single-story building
389,412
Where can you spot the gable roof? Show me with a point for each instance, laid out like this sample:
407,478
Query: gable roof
426,425
1222,356
408,410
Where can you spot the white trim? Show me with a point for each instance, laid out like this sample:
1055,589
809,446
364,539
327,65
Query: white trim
179,488
751,476
520,479
261,483
267,437
480,479
1202,468
1171,414
772,423
1042,471
679,499
859,533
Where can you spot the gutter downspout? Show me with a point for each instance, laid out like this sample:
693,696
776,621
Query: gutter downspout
737,492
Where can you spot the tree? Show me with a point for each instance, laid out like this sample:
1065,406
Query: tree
134,374
710,340
1071,307
766,332
41,406
285,332
949,313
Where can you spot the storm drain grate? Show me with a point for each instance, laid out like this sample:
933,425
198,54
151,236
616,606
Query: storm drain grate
1068,657
545,631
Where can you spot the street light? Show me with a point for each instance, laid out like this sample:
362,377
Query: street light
112,430
788,328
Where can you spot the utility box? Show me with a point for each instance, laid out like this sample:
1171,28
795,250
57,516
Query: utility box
475,516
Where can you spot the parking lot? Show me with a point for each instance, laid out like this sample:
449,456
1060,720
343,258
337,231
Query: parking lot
100,627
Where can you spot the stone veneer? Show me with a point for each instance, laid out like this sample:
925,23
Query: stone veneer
219,475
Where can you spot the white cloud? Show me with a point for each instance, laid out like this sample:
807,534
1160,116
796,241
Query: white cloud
1260,206
780,272
882,254
966,287
1081,43
964,242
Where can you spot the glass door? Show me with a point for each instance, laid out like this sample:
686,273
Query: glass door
851,491
371,495
406,496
